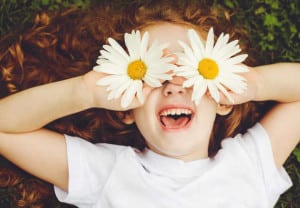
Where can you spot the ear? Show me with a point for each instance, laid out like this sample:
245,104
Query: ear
224,110
128,118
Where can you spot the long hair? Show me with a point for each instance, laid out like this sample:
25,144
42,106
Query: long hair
65,44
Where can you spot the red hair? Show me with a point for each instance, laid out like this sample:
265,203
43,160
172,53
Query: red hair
66,44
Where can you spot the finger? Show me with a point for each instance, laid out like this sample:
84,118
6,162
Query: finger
168,53
224,99
237,99
135,102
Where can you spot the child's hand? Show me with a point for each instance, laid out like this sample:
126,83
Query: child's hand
252,80
99,94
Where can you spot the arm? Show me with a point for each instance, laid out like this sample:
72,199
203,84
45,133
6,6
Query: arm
39,151
33,108
48,102
281,82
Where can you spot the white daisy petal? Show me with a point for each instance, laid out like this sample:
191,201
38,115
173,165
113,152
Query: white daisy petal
133,42
117,83
167,60
225,92
220,66
209,42
197,46
228,69
188,74
155,52
237,59
140,94
237,68
152,81
213,90
158,76
189,54
185,61
129,95
190,82
221,42
110,68
116,93
118,57
228,50
117,47
144,45
234,82
199,90
108,56
159,67
128,71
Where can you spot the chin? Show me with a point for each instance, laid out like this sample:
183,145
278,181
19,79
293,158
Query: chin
173,151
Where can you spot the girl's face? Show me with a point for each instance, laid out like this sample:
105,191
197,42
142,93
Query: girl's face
170,122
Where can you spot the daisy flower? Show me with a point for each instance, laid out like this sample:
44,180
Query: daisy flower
212,67
127,71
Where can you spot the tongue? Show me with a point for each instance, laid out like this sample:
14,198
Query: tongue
172,123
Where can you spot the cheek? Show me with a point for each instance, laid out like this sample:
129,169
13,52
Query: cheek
137,114
145,116
143,123
142,117
207,109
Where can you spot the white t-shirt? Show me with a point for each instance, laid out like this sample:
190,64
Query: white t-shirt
242,174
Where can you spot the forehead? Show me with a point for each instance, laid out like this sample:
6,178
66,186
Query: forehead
168,33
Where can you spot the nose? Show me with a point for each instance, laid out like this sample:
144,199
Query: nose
174,87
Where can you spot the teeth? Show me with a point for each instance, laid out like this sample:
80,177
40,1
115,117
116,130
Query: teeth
176,111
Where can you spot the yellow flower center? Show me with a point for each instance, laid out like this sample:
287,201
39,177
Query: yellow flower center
208,68
137,70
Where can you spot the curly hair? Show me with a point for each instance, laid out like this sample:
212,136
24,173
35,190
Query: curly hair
65,44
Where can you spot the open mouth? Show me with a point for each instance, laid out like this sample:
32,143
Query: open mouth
175,118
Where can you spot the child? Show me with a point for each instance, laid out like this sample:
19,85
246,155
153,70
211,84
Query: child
185,162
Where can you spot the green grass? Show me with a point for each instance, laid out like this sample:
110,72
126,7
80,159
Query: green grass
274,31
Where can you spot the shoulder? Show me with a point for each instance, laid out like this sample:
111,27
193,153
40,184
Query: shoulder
254,145
253,151
81,149
255,137
90,166
78,142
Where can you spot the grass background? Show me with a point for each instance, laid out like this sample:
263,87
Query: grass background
273,25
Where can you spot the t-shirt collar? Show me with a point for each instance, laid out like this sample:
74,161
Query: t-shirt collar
171,167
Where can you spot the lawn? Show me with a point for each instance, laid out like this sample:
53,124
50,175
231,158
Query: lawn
273,26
